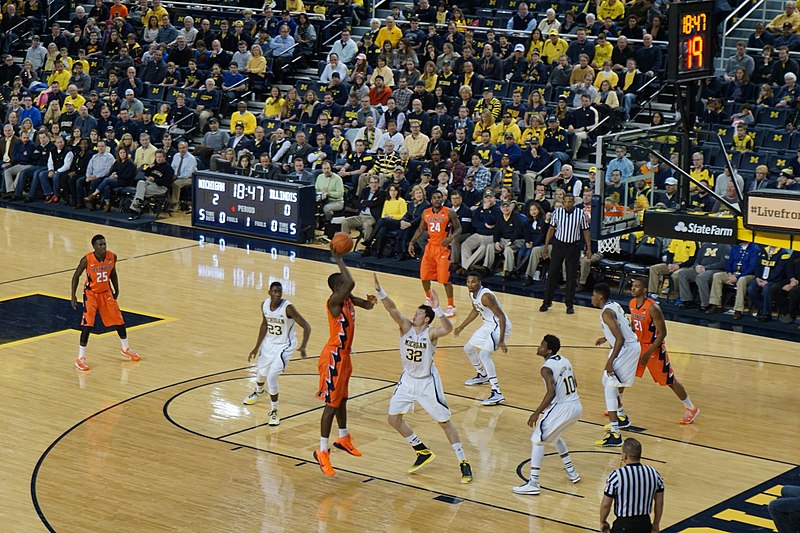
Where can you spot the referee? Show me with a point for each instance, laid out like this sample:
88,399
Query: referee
566,225
632,489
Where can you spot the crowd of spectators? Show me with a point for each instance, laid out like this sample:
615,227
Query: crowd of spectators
421,102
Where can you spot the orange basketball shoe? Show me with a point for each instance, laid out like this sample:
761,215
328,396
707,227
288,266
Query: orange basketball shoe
324,460
690,415
130,354
346,444
80,363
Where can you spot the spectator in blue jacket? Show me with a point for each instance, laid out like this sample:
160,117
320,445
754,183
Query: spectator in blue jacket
739,273
510,148
771,270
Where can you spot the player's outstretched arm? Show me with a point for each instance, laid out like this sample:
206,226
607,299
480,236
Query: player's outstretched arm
473,314
292,313
76,278
344,290
262,332
402,322
447,326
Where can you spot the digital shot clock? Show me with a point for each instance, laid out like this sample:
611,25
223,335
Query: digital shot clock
692,41
252,206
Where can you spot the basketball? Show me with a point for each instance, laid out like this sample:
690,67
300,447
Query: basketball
341,244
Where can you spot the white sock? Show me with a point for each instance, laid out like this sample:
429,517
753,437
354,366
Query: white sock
614,427
323,444
81,352
259,387
413,440
460,455
621,413
537,455
273,405
342,433
124,343
563,451
688,403
272,383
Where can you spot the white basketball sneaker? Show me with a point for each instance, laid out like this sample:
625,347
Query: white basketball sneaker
479,379
531,487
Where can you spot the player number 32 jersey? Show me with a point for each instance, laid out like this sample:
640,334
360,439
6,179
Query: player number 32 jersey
416,353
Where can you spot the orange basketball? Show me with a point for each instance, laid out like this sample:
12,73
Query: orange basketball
341,244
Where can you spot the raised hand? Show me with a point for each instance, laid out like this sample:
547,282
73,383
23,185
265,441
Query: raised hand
434,299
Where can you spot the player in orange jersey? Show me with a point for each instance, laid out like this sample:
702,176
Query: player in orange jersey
335,366
651,328
442,226
99,297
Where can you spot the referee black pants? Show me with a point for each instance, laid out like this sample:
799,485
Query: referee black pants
570,254
632,524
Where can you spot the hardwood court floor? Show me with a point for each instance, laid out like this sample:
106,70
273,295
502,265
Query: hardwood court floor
165,444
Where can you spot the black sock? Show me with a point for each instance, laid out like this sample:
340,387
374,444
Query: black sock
420,447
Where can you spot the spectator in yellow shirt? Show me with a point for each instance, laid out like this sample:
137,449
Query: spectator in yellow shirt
553,47
245,118
743,140
789,15
60,75
614,9
73,97
602,51
389,32
507,125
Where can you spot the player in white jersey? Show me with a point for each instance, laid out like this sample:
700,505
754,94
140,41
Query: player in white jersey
277,341
491,335
420,381
560,408
620,370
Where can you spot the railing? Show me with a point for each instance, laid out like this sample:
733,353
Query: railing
647,104
733,20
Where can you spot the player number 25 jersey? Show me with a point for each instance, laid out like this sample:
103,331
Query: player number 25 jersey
280,328
98,273
564,378
416,352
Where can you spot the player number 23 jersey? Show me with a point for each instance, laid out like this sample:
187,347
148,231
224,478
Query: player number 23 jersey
280,328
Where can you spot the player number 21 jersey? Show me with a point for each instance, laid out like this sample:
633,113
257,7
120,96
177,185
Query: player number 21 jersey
416,352
280,328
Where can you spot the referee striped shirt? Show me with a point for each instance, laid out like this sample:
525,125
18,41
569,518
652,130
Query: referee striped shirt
569,225
633,487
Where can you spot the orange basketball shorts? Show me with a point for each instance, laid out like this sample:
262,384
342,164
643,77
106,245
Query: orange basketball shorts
435,265
658,365
335,368
103,303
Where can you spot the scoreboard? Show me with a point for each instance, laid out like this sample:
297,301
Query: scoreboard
692,41
252,206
